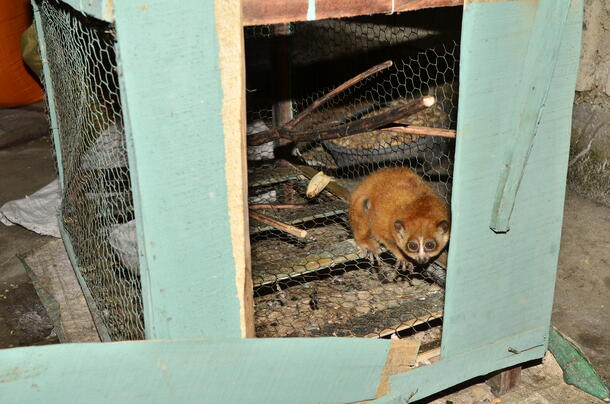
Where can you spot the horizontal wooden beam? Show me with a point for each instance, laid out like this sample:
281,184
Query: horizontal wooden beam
261,12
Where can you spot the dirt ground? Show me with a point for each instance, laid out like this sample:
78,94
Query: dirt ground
581,309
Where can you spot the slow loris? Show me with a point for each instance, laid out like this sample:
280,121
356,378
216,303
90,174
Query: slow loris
398,209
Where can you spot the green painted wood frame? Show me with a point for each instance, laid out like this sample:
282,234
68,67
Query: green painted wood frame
499,286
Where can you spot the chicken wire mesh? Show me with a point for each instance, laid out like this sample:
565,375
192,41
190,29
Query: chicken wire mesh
97,206
322,284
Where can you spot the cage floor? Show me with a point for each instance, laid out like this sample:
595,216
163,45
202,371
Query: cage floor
322,285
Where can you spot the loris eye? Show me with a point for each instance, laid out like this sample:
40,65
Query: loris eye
412,246
430,245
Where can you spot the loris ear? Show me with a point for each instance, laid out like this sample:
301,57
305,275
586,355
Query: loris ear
443,226
366,205
400,229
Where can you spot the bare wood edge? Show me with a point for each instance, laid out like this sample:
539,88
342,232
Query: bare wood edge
228,17
504,380
256,13
428,357
332,187
335,91
271,206
401,358
422,131
295,231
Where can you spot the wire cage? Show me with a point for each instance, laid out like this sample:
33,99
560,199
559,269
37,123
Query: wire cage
319,283
154,135
97,211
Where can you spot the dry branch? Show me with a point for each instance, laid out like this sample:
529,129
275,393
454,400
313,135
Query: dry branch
271,206
331,94
335,132
279,225
422,130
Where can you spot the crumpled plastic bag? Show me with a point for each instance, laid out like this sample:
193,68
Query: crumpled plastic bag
37,212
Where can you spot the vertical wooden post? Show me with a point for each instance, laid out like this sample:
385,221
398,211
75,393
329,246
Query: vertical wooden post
182,89
282,108
504,381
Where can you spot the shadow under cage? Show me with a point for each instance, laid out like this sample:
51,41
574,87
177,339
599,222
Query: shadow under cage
336,100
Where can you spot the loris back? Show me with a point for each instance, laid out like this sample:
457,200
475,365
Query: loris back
398,209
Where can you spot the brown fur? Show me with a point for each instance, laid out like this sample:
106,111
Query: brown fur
393,207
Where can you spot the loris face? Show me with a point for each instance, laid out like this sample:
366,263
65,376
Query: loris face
422,239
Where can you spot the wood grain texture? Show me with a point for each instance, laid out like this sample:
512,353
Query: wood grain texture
500,285
537,71
230,34
257,12
504,381
401,359
173,100
287,371
449,371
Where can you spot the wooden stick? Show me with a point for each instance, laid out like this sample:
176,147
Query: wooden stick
271,206
278,225
422,130
331,94
335,132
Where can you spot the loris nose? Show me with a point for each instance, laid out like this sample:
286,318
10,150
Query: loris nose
422,260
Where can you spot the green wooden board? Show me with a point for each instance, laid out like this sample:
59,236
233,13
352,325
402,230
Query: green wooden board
427,380
533,90
291,370
499,285
171,85
100,9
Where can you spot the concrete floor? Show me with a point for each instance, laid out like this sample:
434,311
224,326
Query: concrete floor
23,320
581,309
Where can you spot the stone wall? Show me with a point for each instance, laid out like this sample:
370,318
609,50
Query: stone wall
589,167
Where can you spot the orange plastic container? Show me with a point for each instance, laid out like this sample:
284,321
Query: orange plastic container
17,85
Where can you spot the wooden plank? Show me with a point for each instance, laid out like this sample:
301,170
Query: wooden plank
504,381
52,275
191,223
425,380
537,70
500,285
257,12
401,358
99,9
231,57
287,370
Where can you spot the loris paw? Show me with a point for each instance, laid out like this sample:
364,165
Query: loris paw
403,265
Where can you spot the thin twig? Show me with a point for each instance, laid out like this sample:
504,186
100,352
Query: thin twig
279,225
422,131
331,94
271,206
